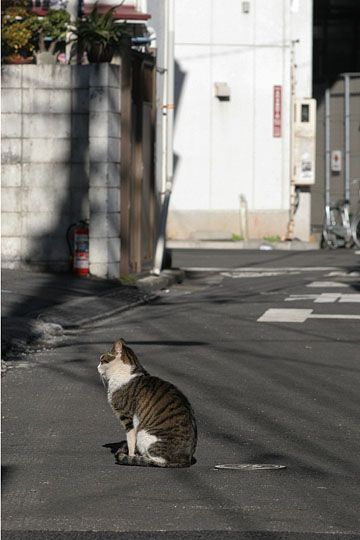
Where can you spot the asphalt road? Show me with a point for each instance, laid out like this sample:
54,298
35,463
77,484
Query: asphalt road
264,391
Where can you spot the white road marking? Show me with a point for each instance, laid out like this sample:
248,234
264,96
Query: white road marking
285,315
343,274
298,315
247,274
262,269
325,284
325,298
349,298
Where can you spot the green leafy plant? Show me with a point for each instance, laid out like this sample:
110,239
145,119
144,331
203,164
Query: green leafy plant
274,238
98,35
18,31
128,280
54,27
55,24
24,33
237,237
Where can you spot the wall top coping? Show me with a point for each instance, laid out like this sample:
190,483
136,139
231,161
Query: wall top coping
60,76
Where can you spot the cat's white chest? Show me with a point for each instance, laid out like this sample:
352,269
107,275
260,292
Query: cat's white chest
119,376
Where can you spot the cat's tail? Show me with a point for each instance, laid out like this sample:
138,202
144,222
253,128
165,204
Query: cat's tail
143,461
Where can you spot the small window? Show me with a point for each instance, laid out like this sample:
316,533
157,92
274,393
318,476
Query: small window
305,112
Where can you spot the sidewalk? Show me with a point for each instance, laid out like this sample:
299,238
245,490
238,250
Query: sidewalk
260,244
38,306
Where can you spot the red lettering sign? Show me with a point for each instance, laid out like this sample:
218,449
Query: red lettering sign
277,111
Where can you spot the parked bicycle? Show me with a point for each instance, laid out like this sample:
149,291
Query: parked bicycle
340,229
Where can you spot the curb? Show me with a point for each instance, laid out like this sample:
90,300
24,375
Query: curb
262,245
97,308
163,281
43,327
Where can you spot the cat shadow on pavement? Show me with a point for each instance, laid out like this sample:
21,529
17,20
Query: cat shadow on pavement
116,446
123,447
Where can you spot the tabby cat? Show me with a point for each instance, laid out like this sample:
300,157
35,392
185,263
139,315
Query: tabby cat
158,419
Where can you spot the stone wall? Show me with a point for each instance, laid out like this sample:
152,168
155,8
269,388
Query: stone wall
60,164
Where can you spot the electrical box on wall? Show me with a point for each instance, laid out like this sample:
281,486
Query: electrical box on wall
336,161
304,140
222,91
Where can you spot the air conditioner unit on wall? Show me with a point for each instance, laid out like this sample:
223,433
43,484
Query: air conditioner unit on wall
304,141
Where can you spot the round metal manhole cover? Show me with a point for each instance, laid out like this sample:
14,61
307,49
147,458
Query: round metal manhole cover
251,466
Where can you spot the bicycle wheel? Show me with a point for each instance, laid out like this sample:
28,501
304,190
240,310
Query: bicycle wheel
329,237
355,229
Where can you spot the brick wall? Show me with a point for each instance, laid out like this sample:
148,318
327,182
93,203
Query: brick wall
60,164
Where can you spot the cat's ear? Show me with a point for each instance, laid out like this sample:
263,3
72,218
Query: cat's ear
119,346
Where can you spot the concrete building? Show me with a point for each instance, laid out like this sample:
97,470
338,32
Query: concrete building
231,169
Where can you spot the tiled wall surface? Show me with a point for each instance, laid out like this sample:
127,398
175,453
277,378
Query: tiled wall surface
60,163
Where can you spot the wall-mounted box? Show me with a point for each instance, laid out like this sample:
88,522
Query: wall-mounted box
304,129
222,91
336,161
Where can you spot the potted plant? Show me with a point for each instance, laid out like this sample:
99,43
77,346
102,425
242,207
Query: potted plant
52,28
18,36
98,35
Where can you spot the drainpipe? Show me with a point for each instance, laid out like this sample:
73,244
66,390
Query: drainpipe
293,190
167,139
327,147
347,134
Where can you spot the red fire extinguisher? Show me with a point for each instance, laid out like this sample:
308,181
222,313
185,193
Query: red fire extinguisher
80,249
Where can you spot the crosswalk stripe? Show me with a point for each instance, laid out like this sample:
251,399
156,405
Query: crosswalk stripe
299,315
326,284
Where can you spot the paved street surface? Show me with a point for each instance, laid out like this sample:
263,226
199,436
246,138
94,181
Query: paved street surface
266,347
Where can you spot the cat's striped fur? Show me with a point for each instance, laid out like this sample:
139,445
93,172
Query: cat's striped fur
158,419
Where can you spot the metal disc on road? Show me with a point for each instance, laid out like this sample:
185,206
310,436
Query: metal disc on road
250,466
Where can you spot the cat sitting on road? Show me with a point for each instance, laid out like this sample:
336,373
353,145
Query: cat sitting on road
158,419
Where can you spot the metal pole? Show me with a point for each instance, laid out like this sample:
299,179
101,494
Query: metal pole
327,146
347,134
292,210
170,97
169,108
164,111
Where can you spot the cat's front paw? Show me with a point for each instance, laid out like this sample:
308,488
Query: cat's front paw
120,456
123,449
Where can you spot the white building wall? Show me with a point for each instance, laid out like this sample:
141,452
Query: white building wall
301,22
224,149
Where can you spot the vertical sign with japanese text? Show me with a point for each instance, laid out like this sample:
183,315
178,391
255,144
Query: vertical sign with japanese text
277,111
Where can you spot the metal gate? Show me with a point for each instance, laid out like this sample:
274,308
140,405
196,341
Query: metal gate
137,163
338,136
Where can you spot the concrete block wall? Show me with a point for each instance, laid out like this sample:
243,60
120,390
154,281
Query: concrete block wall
58,132
104,185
